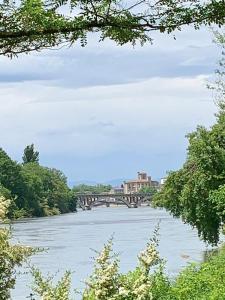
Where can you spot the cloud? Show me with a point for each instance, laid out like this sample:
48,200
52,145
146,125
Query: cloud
105,63
29,68
146,118
107,111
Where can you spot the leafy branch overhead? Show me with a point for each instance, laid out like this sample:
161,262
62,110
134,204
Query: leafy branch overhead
30,25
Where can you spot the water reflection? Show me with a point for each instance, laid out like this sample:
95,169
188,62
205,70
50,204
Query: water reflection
71,237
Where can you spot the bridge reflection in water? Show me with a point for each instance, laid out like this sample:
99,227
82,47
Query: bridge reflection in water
87,201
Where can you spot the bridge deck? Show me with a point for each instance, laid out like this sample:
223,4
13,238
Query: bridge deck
114,195
86,201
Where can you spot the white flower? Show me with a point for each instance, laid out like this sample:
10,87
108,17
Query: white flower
4,205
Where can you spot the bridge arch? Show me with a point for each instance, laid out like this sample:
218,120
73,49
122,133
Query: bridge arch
87,201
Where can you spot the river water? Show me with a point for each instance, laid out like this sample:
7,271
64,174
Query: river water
71,238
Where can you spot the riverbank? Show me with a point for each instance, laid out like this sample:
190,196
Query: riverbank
205,281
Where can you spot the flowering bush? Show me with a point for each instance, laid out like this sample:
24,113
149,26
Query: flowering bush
11,256
104,283
4,205
107,283
45,288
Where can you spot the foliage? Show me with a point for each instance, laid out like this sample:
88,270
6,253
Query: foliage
218,86
148,190
5,192
204,281
11,178
196,191
4,205
34,190
28,25
46,190
103,284
92,189
107,283
192,192
30,155
11,256
45,288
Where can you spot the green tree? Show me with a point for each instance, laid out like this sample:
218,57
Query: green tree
5,192
187,192
11,178
28,25
148,190
196,191
34,190
46,191
59,193
30,155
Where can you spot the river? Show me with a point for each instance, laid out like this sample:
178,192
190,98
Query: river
71,238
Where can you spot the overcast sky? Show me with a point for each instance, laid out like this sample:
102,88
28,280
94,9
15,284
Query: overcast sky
104,111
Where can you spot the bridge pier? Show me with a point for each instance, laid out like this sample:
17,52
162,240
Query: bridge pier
134,205
87,207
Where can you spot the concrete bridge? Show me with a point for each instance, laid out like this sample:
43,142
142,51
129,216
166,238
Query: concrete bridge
87,201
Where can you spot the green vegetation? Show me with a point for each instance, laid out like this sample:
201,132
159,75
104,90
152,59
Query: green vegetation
148,190
34,190
11,256
91,189
204,281
47,290
30,155
33,25
196,191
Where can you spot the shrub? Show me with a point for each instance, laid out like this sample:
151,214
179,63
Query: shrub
11,256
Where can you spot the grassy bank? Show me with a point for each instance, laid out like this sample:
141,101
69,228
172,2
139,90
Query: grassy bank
204,281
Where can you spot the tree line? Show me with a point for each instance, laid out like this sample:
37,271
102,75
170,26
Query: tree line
92,189
34,190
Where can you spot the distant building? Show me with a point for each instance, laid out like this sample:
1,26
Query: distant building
143,180
117,190
154,183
